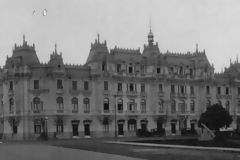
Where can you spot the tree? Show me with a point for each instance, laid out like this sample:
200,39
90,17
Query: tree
215,117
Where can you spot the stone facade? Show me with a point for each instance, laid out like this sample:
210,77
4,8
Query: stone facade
118,90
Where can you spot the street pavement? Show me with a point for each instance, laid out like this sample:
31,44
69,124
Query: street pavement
45,152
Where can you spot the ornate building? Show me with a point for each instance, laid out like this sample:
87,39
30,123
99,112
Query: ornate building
118,90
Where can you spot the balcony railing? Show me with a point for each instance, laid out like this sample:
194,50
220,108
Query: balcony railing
59,91
160,94
131,93
119,93
131,112
182,95
74,111
60,111
220,96
143,94
10,92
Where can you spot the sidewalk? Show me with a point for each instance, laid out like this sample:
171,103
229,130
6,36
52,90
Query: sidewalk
177,146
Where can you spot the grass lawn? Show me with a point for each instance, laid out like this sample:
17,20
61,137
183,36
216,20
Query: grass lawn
151,153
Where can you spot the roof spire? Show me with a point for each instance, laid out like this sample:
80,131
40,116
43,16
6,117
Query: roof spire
196,47
98,38
24,39
55,48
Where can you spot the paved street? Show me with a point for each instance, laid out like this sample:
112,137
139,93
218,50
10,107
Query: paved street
97,149
43,152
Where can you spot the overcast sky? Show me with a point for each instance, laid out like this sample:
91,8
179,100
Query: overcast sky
73,24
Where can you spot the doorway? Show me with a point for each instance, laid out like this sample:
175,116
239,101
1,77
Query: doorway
120,129
87,129
173,128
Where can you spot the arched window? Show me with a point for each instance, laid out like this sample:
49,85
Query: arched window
75,104
192,106
11,103
86,103
132,106
37,104
227,106
161,106
143,105
60,104
106,105
181,70
120,105
173,106
182,107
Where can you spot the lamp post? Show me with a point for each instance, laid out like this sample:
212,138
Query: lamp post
46,131
115,116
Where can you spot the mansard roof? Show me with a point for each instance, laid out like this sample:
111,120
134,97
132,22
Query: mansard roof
24,54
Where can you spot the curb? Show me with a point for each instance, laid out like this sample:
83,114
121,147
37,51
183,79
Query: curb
178,146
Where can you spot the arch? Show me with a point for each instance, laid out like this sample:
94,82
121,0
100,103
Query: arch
86,101
59,100
74,100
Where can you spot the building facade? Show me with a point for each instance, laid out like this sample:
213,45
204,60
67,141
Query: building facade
115,92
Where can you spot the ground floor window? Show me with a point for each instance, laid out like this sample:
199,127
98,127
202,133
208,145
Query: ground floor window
59,126
132,125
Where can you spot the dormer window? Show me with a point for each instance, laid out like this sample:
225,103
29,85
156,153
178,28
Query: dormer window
36,84
104,66
59,84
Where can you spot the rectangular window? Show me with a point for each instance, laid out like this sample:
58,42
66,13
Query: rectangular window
142,69
74,85
120,107
36,84
59,84
191,90
207,89
192,108
160,88
105,85
238,91
158,70
119,87
118,68
130,69
182,89
86,85
11,85
227,91
172,89
142,87
131,87
219,90
191,72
